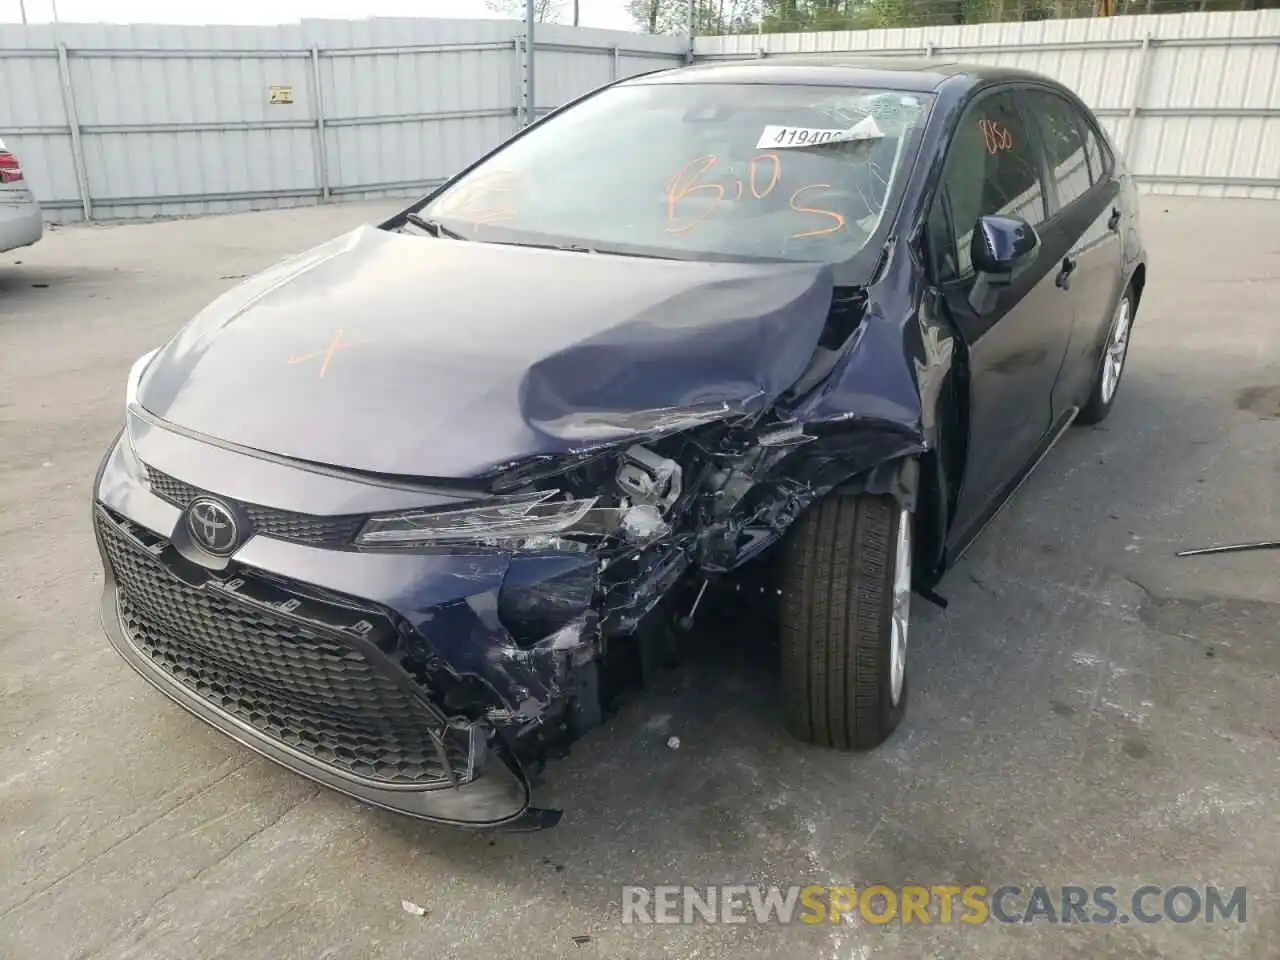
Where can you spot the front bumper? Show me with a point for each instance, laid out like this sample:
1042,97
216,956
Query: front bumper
21,223
337,664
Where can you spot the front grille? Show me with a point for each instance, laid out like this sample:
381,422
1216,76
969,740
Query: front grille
305,528
171,488
294,684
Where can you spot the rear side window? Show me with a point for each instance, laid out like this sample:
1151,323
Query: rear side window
991,169
1099,160
1063,130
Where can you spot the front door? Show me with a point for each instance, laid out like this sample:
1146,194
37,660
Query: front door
1084,229
1016,347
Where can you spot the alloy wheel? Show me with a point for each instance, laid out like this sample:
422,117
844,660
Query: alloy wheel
1117,350
901,617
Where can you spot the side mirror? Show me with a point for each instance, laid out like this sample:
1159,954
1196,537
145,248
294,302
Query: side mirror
1001,247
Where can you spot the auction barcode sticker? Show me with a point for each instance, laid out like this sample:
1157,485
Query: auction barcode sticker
776,137
795,137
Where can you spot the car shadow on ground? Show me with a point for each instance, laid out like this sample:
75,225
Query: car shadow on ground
27,291
20,280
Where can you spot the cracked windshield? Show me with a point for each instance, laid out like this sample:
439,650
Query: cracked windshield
741,171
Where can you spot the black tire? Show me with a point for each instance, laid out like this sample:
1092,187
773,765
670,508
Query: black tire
1098,406
836,620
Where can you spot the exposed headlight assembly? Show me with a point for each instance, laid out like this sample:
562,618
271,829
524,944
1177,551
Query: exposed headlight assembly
511,521
645,487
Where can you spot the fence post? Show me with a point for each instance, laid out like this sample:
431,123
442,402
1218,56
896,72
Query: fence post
322,146
73,123
530,42
616,68
688,56
517,89
1139,95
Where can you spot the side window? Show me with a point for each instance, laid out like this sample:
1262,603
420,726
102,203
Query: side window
942,240
1064,144
1099,160
991,169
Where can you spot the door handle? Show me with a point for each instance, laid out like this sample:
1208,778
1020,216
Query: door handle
1113,224
1063,279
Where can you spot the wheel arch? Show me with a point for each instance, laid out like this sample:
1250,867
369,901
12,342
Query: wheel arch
1137,283
920,483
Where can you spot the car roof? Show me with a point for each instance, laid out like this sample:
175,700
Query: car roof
890,73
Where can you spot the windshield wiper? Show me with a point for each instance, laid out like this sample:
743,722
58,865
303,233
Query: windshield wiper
433,227
568,247
579,248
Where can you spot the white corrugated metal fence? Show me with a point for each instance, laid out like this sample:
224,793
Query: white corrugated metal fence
1193,99
142,121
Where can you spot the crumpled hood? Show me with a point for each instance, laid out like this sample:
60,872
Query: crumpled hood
410,355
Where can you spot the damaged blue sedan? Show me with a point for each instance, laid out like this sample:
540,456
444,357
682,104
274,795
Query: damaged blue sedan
403,513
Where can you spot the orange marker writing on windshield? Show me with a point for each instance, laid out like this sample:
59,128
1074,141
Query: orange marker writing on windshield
775,173
838,218
682,185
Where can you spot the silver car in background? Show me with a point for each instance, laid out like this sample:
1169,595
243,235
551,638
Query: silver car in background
20,221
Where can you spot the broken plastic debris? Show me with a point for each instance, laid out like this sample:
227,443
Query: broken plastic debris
410,907
673,743
649,479
606,425
568,637
644,523
789,434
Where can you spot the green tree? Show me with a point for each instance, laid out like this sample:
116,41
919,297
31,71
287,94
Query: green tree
544,11
789,16
660,16
710,17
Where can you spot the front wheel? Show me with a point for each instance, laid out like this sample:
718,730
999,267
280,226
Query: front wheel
1114,353
846,606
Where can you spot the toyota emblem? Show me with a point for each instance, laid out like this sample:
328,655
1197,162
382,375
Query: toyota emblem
213,527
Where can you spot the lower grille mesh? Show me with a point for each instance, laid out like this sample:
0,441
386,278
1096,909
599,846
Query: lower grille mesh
295,685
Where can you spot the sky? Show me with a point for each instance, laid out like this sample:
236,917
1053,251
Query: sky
607,14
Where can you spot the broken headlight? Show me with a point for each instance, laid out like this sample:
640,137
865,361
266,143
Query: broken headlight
631,493
509,522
